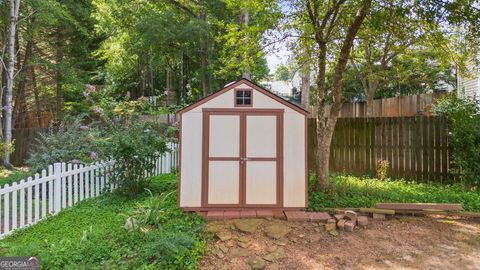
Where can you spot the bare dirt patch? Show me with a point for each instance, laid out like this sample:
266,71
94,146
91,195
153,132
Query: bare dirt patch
399,243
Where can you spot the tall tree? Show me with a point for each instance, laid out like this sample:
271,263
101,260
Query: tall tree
14,11
333,25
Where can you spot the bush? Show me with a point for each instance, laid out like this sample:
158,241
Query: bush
464,135
71,141
133,147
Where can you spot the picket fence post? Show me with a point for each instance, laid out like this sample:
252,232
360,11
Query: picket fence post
57,172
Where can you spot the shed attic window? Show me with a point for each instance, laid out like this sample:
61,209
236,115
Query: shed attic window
243,97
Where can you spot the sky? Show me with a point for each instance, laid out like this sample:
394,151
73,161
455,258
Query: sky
276,58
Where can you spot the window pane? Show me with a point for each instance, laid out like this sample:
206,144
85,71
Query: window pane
247,101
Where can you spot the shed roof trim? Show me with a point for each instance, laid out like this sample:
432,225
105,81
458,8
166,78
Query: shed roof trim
251,84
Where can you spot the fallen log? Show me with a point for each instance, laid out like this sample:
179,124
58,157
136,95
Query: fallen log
421,206
438,212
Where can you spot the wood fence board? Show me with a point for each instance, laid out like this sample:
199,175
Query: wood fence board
416,147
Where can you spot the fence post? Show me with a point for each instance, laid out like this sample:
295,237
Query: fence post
57,171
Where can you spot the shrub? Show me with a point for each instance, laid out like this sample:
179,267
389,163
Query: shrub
464,135
133,146
382,169
71,141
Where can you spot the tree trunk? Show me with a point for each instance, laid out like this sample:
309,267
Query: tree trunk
325,129
326,120
59,86
3,75
369,96
36,95
14,8
246,73
204,57
305,87
20,107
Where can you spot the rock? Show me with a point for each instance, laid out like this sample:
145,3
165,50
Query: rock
334,232
223,235
243,244
272,248
351,215
378,216
273,266
275,254
130,223
341,224
238,252
349,225
332,220
362,221
339,216
223,248
281,242
247,225
269,257
217,252
256,263
330,226
213,227
276,231
244,239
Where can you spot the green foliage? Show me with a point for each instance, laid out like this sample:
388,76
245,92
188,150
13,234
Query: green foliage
6,147
383,166
351,191
8,176
71,141
464,135
282,73
92,235
133,146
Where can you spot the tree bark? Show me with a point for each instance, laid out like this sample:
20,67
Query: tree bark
246,72
20,102
305,87
37,96
3,75
204,57
59,86
370,95
327,118
14,9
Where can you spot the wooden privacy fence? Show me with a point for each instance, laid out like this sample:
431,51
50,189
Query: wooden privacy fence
416,147
414,105
61,186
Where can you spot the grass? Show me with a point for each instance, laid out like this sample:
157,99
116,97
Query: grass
352,191
16,174
93,235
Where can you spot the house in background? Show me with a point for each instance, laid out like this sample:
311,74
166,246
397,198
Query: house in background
469,87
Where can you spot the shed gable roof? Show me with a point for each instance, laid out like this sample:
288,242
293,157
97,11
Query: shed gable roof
252,85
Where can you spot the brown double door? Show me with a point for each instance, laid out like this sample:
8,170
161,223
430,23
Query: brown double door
242,158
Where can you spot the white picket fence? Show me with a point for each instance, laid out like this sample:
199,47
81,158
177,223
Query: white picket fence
61,186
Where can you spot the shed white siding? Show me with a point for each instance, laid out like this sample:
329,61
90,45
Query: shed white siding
294,147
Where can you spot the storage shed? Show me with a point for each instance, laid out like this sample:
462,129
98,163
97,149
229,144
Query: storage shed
243,147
